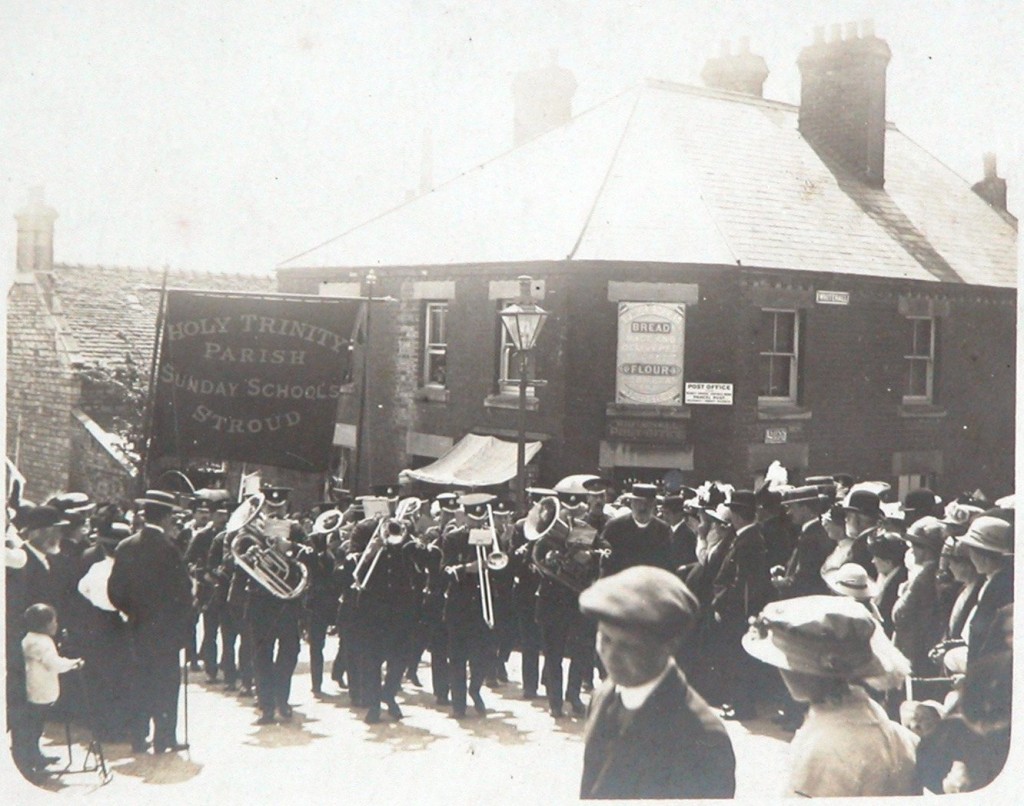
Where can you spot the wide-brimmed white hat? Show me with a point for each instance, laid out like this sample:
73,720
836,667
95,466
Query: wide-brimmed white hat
850,579
826,636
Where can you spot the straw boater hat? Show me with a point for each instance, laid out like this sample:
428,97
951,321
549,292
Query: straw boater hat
990,534
850,579
826,636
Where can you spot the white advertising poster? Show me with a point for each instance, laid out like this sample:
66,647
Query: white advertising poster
649,362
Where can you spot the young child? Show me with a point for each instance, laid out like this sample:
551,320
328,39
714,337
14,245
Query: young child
43,667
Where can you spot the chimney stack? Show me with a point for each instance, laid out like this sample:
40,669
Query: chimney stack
543,100
842,98
993,187
35,234
742,71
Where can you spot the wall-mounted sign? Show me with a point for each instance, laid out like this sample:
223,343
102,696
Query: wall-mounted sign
657,432
649,361
775,436
709,394
832,297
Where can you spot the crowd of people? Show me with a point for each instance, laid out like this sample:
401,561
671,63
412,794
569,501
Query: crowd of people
888,620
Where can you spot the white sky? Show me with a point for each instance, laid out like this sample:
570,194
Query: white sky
233,135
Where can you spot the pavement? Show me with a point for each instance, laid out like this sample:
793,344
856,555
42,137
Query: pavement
326,752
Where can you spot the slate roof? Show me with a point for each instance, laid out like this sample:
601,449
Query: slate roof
111,311
679,174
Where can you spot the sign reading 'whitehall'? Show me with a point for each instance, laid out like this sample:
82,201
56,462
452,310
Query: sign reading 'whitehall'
253,379
649,362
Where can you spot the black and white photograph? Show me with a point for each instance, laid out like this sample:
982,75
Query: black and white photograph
456,402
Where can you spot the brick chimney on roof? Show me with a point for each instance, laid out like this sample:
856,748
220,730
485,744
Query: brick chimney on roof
742,71
993,187
543,100
842,98
35,234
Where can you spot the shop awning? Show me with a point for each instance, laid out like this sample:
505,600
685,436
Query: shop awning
475,461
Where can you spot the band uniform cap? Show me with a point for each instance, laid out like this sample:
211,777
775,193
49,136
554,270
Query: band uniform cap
921,500
642,492
502,507
573,500
865,502
989,534
475,504
275,495
825,636
577,484
888,546
448,501
385,490
807,494
537,493
30,517
160,498
743,500
851,579
928,531
644,597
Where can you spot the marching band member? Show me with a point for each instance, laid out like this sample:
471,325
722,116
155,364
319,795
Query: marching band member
198,537
527,582
470,639
274,622
321,597
345,558
227,599
502,584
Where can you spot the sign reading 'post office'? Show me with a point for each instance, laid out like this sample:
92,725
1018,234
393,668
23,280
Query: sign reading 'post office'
251,378
709,394
649,361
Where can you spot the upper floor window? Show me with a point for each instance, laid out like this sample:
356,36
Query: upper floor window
435,344
920,358
779,356
508,360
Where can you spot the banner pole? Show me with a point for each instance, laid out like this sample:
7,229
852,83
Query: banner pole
150,402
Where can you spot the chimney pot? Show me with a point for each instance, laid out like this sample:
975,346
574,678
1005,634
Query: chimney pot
835,32
867,29
35,234
850,31
741,71
993,187
989,161
819,34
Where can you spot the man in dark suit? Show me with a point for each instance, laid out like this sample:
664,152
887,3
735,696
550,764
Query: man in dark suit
638,538
150,584
649,734
801,575
741,588
683,538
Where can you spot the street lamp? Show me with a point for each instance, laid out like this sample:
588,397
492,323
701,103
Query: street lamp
523,321
362,423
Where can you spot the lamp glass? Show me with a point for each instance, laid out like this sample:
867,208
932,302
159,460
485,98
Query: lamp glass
523,323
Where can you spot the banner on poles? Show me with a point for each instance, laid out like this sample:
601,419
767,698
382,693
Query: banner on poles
251,378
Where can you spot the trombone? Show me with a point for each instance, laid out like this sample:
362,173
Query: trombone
494,560
389,532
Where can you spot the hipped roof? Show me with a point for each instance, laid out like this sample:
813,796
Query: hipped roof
685,175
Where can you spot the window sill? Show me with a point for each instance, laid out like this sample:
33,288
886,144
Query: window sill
432,394
506,401
921,410
782,411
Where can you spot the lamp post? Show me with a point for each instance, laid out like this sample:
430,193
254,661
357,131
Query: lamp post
523,321
364,397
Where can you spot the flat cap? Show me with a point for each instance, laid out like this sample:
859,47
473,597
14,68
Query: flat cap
644,597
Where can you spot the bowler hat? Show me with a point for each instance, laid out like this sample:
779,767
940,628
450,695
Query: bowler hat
824,636
865,502
674,502
30,517
641,491
989,534
887,546
159,498
642,597
850,579
928,532
744,501
920,502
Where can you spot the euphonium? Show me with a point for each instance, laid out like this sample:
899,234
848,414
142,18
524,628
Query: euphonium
562,549
262,556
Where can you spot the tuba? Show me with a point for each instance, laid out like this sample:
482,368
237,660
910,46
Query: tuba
563,550
261,554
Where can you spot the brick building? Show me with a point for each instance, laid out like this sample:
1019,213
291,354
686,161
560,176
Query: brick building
69,327
854,298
